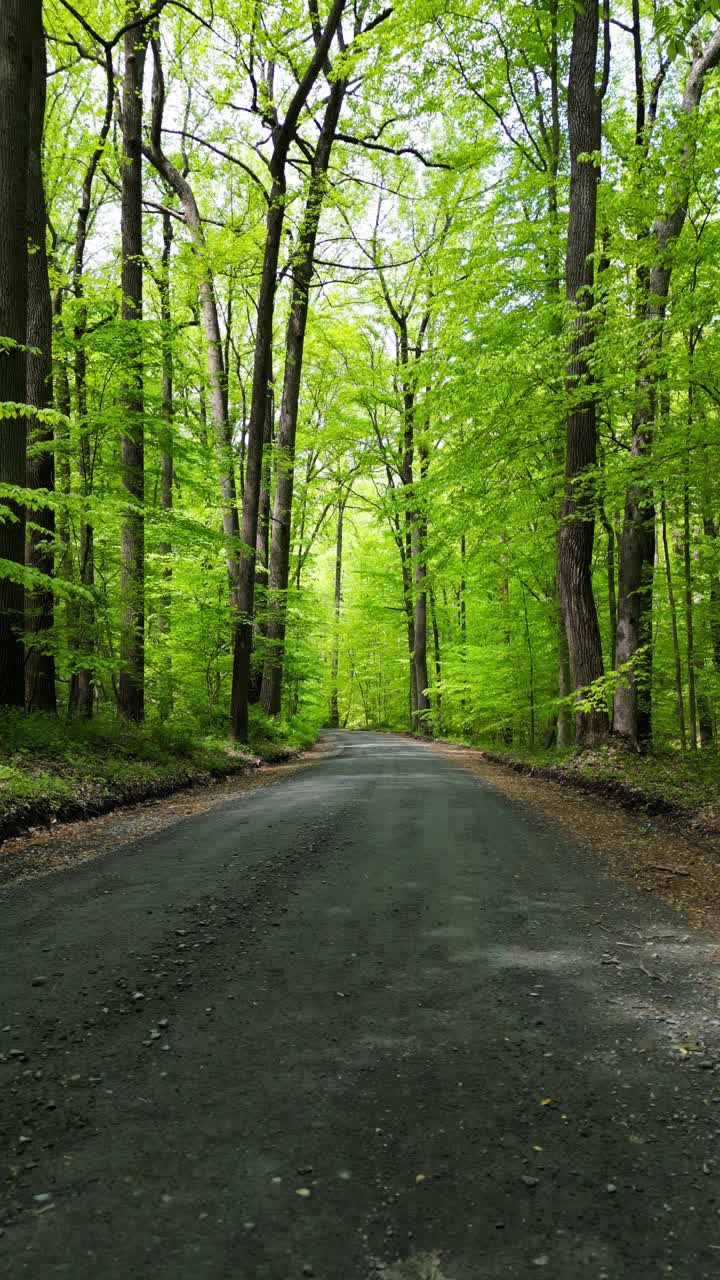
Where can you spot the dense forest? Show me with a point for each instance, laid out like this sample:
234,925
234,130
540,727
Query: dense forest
359,365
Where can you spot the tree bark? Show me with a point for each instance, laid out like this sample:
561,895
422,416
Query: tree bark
419,551
710,529
283,134
631,719
689,622
271,693
131,684
39,551
19,23
578,524
262,555
165,699
82,684
337,608
677,660
438,661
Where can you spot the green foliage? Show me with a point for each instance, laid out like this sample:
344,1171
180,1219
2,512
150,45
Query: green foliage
48,765
445,231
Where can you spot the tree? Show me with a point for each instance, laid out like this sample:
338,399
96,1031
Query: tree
283,134
302,270
131,686
217,372
578,527
20,33
633,650
40,658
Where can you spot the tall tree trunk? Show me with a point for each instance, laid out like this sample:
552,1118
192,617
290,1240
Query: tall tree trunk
19,24
262,374
165,699
419,551
337,607
61,400
710,528
131,685
561,729
531,670
262,555
578,525
564,716
217,372
283,134
677,660
82,685
610,573
40,550
407,476
302,270
689,623
438,662
631,718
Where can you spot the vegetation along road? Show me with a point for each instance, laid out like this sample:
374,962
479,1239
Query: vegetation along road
369,1020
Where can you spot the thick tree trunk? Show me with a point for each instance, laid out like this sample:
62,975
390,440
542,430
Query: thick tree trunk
20,21
39,551
131,685
632,719
262,374
337,608
271,694
578,526
631,712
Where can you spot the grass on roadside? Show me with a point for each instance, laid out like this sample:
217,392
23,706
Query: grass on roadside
50,767
689,781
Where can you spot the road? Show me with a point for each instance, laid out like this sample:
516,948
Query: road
369,1021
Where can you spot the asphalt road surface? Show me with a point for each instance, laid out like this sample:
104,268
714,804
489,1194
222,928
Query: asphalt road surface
369,1021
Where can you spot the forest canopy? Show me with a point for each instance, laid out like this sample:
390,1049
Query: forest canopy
359,365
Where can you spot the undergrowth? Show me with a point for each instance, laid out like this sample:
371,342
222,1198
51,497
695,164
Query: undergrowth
49,765
689,780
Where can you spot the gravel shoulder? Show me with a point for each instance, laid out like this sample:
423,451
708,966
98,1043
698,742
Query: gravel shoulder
664,855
